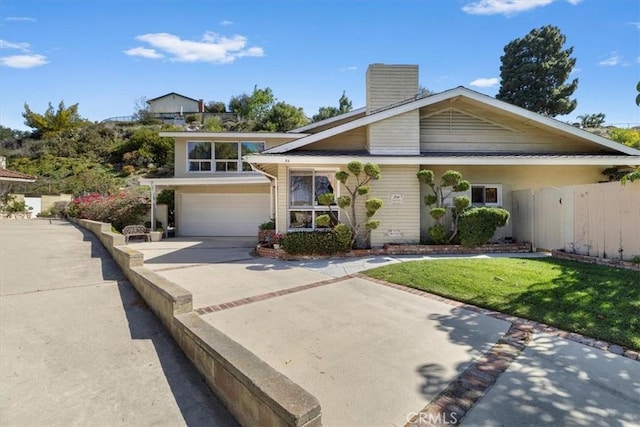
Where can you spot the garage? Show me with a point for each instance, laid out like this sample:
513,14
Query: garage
222,214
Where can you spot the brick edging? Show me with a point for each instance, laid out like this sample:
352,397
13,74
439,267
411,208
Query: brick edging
459,397
523,324
628,265
393,249
269,295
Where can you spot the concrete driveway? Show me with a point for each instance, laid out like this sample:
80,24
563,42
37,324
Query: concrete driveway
378,355
78,345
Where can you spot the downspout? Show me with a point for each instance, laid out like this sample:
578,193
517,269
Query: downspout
274,206
153,206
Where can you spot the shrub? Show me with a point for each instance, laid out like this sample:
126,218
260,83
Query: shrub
316,242
438,234
268,225
120,209
477,225
128,170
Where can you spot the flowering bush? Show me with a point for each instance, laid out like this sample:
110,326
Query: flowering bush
119,209
276,238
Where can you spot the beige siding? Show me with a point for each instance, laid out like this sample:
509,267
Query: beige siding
470,128
173,104
355,139
400,216
513,178
399,135
388,84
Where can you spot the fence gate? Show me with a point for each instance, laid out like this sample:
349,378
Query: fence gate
548,219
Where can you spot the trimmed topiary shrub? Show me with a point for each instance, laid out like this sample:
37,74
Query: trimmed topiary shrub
317,242
477,225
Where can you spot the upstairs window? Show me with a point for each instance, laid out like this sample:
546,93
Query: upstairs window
219,156
199,156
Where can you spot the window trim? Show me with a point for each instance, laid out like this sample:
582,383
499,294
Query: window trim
498,188
314,208
469,193
213,160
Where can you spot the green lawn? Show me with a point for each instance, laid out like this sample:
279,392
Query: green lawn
594,300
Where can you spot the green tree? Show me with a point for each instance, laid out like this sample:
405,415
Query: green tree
53,121
363,175
145,146
344,106
284,117
253,107
631,176
535,70
638,95
628,137
215,107
451,181
591,121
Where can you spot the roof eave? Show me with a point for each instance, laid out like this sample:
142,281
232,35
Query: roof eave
449,160
237,135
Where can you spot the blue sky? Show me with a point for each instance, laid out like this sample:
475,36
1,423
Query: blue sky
105,55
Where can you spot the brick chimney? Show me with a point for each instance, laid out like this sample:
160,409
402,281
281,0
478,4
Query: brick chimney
388,84
200,105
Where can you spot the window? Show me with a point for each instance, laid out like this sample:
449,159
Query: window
199,156
305,186
207,156
486,195
480,195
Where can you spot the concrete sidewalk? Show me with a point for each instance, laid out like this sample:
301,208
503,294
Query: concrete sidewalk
376,356
78,346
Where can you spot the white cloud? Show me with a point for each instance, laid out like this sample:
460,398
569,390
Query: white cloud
20,19
612,60
24,61
10,45
636,24
507,7
225,22
349,68
482,82
212,47
144,52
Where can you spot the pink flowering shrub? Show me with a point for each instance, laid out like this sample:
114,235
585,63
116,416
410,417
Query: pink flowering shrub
120,209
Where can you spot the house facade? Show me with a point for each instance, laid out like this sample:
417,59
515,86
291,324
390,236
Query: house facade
226,184
174,103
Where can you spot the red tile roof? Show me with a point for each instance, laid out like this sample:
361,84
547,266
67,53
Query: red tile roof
11,175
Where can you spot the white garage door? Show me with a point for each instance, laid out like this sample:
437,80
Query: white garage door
222,214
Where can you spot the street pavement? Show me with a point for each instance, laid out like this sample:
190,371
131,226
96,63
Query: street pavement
78,346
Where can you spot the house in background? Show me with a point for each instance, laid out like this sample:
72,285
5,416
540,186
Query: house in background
9,179
227,183
173,104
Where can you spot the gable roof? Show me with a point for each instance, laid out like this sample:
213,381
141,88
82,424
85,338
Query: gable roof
452,94
341,117
172,93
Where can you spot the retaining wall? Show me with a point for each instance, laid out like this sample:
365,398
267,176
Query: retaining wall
254,392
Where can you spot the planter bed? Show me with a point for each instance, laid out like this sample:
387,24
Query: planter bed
402,249
595,260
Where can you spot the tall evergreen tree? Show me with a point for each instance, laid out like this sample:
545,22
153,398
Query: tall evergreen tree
344,106
535,70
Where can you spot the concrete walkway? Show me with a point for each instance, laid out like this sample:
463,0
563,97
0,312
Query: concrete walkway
375,355
77,344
